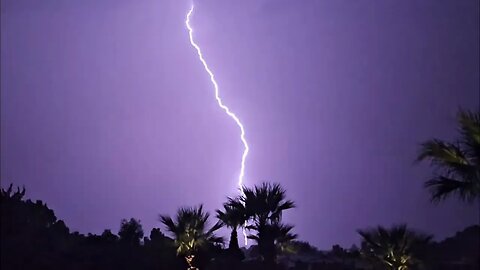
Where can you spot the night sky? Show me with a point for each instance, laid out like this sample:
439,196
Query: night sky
106,112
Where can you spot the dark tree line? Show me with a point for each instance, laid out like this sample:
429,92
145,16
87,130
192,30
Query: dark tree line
33,238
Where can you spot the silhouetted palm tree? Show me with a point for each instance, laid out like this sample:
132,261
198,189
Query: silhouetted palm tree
264,206
397,248
266,203
457,163
233,216
274,238
190,232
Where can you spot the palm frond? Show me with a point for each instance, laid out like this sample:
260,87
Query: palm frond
469,125
441,187
216,240
446,157
189,229
457,164
396,247
214,228
233,214
168,222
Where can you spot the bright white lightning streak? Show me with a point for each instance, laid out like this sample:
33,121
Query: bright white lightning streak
223,106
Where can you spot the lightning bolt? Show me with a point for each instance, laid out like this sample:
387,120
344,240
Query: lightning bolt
223,106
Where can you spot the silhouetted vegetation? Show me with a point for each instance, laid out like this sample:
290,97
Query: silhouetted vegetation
264,206
233,215
457,163
33,238
396,248
131,232
191,237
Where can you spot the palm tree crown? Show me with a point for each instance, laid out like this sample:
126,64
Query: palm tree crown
233,216
189,230
457,164
264,205
397,248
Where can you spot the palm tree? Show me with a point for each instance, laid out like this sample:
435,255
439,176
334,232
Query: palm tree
190,232
265,203
264,206
457,164
397,248
233,216
275,238
283,235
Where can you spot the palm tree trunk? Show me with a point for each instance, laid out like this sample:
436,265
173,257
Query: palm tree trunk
267,250
233,245
234,250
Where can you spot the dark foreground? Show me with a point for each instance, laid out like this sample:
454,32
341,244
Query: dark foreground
33,238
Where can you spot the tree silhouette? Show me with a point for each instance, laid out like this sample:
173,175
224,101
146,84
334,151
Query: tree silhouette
456,164
189,229
31,237
7,195
131,232
397,248
30,232
233,216
161,251
264,206
272,238
108,237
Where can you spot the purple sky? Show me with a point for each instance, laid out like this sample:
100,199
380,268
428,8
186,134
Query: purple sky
106,112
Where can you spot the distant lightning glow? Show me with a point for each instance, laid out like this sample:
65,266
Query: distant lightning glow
223,106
